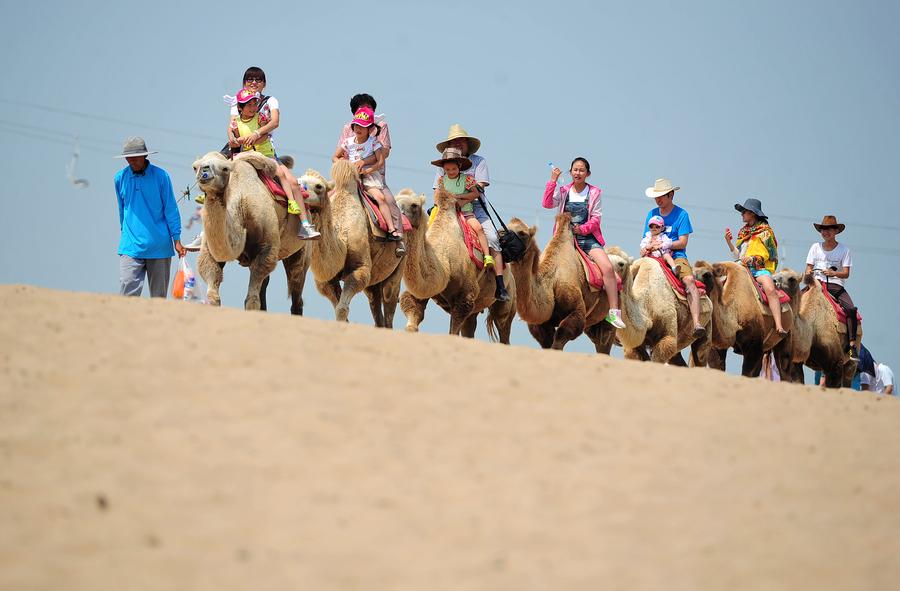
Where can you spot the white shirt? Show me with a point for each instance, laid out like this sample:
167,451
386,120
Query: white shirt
576,197
822,259
357,152
883,377
479,170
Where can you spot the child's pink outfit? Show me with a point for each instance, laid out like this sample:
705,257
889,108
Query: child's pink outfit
665,247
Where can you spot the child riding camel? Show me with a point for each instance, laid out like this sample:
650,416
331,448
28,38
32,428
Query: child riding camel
466,190
656,235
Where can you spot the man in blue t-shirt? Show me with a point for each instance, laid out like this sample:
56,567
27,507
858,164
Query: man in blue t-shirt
678,228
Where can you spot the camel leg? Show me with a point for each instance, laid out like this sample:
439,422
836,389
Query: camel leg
678,360
373,292
797,373
753,359
260,269
782,352
638,353
414,310
390,293
354,282
262,294
499,321
459,312
664,350
700,351
570,328
211,272
717,358
295,267
602,337
330,289
543,334
469,326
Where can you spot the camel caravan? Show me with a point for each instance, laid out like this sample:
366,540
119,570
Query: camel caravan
350,230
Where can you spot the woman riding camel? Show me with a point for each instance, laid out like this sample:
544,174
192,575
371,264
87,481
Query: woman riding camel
757,249
830,262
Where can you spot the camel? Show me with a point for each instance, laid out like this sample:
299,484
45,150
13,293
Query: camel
819,339
438,267
657,318
243,222
552,294
740,321
348,251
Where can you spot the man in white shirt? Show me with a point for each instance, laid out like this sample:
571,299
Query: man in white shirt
882,381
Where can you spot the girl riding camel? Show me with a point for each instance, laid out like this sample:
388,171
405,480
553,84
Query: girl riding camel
582,201
757,249
466,190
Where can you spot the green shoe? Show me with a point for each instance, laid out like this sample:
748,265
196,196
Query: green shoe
488,260
200,198
293,208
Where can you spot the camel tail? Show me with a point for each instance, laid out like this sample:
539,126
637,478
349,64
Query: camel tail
287,160
492,326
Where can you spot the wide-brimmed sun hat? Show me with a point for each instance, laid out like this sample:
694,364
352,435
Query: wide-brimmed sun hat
660,188
245,96
456,132
754,206
453,155
134,146
364,117
829,221
656,221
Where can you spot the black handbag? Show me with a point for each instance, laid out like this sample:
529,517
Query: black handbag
512,247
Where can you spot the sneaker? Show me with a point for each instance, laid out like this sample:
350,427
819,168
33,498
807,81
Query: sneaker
195,245
501,295
200,198
293,208
613,318
307,231
488,260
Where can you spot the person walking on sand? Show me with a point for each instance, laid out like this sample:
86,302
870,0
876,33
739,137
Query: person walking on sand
678,228
149,222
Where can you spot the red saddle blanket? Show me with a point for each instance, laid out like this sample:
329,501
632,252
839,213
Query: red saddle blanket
276,190
782,297
675,282
592,272
842,316
470,237
372,207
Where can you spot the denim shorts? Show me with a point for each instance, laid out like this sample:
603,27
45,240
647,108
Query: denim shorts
587,242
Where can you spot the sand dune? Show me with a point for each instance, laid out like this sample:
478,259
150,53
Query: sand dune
163,445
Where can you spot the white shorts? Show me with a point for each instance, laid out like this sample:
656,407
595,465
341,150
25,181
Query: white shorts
373,180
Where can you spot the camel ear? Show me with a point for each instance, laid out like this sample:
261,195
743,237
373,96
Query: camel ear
329,185
719,270
532,231
226,167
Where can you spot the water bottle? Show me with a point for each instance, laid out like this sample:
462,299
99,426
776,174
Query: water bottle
189,280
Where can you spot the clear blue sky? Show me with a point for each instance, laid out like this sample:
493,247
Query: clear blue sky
796,103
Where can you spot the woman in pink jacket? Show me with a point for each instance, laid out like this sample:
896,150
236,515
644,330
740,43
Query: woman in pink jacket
582,201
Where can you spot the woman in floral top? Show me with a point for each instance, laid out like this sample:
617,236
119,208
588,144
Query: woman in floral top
757,249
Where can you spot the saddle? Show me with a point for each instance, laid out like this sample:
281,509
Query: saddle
277,191
675,282
376,220
783,298
841,313
470,237
592,272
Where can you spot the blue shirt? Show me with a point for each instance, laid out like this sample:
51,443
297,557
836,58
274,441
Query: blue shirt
678,223
148,215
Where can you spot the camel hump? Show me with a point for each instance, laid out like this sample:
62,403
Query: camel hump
261,163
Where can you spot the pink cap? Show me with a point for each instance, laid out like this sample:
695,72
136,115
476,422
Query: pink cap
364,117
657,221
245,96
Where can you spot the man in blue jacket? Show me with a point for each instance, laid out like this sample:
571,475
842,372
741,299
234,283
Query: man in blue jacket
149,222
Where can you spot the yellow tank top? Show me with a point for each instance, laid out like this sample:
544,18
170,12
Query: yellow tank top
245,128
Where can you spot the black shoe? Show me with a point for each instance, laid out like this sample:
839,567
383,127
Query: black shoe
501,295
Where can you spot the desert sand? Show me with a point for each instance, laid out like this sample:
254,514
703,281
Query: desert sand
166,445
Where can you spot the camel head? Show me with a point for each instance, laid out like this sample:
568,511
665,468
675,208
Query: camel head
523,230
344,175
564,226
788,280
212,172
443,199
619,259
316,185
412,206
704,273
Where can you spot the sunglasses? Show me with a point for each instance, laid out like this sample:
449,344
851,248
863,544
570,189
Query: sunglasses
253,80
655,226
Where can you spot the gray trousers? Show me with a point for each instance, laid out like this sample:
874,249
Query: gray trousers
394,208
132,272
489,231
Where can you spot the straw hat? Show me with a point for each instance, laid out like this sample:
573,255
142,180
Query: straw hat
453,155
659,188
829,221
134,146
456,132
752,205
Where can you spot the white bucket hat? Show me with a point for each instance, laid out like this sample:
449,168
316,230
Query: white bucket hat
659,188
134,146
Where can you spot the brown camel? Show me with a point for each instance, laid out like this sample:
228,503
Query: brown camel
819,339
552,294
656,317
438,267
243,222
348,252
741,322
